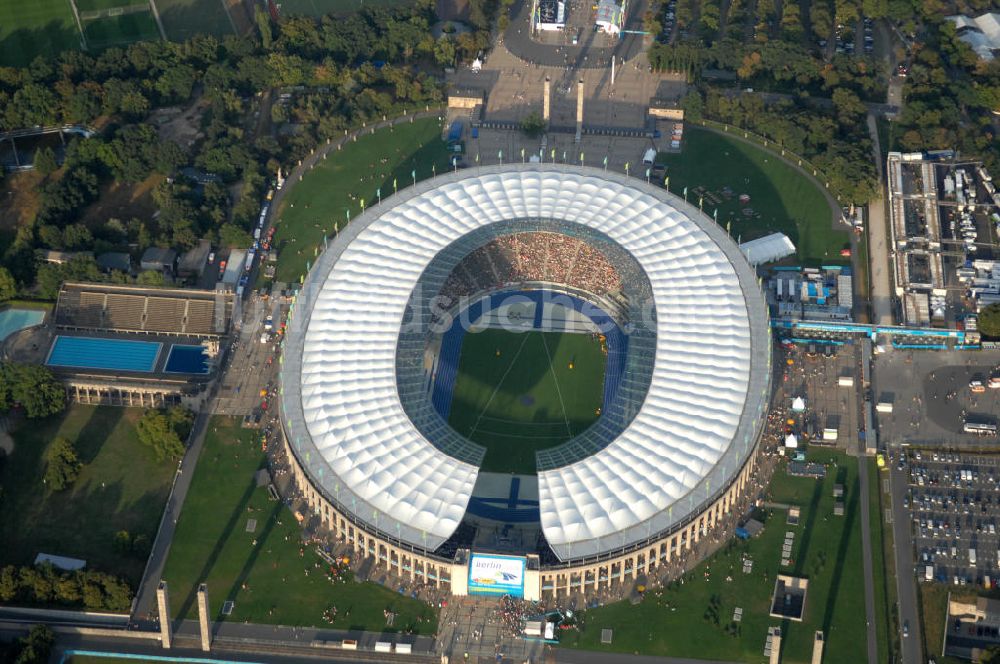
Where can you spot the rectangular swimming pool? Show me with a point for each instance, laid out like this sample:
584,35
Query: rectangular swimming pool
96,353
187,359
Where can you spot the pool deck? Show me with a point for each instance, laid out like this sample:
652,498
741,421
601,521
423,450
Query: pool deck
35,348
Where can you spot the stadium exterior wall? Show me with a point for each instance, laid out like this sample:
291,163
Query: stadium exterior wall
587,576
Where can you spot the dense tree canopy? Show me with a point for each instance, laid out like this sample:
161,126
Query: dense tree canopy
62,465
343,70
165,431
46,585
33,387
989,321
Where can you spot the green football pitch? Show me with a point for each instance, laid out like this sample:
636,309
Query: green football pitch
519,392
38,27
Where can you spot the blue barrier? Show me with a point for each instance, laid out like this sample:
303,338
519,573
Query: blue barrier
67,654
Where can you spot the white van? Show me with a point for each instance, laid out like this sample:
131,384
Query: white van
650,157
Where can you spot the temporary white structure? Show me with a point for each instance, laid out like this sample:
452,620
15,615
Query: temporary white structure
689,439
767,249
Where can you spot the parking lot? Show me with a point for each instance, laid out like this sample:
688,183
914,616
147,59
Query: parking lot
954,507
930,396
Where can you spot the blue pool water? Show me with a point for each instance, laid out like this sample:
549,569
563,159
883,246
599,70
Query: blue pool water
187,359
12,320
93,353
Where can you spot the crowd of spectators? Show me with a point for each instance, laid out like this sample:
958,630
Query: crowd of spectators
533,257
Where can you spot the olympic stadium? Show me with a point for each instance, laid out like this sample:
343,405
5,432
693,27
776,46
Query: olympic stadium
532,379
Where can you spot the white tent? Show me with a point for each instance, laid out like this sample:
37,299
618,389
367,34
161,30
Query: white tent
798,404
767,249
791,442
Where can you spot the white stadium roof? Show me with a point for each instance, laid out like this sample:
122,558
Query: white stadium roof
690,438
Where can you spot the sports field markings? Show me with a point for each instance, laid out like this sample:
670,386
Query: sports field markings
555,379
496,389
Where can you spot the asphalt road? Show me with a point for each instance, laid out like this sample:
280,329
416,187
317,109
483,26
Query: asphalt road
906,586
878,243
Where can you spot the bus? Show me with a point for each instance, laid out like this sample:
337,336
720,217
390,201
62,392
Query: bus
980,428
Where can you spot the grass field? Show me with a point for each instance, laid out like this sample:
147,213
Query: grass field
693,619
321,7
38,27
884,568
784,198
121,487
516,394
118,30
183,19
323,197
267,573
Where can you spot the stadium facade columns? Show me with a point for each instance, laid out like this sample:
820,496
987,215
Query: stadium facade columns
546,101
550,581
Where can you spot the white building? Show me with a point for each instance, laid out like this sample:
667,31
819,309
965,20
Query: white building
982,33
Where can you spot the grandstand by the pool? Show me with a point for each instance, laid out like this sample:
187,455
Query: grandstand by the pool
186,359
101,353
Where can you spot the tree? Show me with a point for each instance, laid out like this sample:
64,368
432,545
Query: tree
45,161
989,321
34,387
165,431
8,287
849,106
533,125
63,465
123,541
36,646
231,235
150,278
444,51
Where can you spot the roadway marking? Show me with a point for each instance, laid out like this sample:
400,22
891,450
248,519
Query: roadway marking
888,515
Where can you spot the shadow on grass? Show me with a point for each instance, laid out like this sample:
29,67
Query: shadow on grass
220,543
850,514
94,434
807,529
19,47
251,560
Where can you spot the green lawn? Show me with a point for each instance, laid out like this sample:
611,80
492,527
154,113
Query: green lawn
182,19
882,566
121,487
322,198
37,27
786,200
321,7
117,30
267,573
91,5
693,619
516,393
